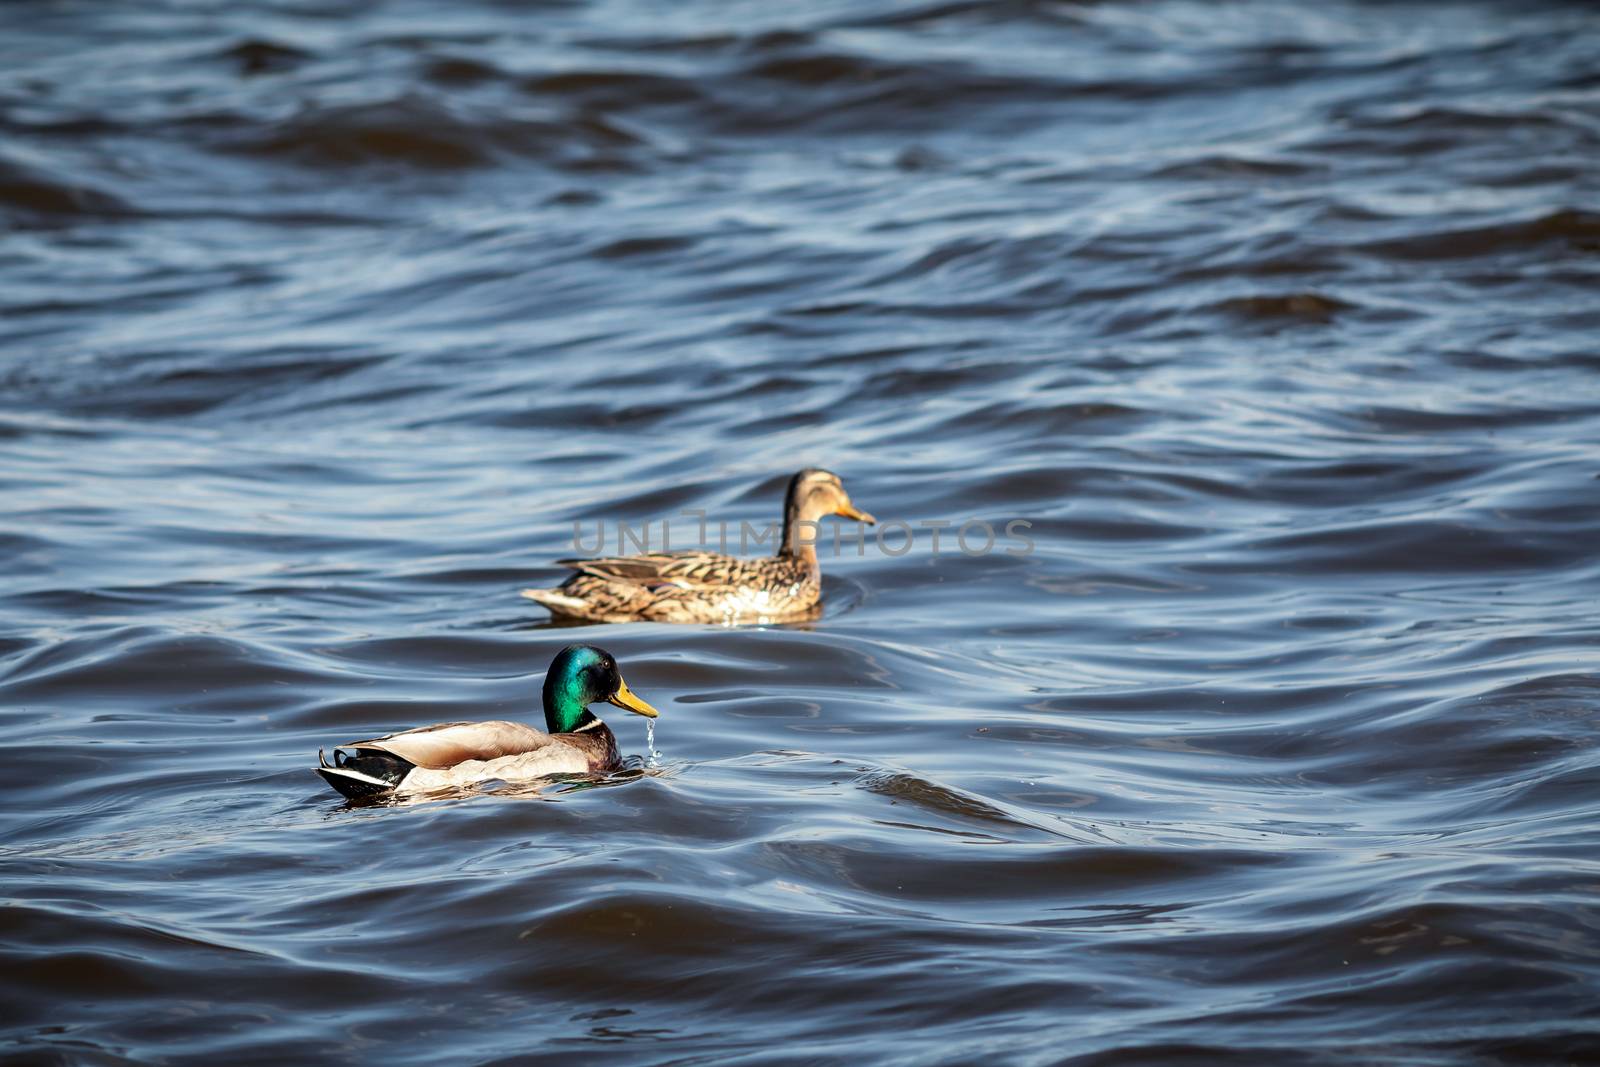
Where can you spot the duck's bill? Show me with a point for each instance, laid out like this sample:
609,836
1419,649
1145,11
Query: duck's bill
850,511
625,698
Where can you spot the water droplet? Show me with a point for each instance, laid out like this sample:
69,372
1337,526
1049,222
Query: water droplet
654,757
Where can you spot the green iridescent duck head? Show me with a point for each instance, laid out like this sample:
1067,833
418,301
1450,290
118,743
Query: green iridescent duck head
581,675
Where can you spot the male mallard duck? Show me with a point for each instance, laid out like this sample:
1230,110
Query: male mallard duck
460,753
707,586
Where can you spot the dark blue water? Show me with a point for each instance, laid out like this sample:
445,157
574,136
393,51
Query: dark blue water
321,325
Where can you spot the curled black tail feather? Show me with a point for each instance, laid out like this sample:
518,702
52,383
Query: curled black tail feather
366,774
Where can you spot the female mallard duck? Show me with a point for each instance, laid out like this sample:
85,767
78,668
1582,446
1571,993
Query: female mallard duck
460,753
707,586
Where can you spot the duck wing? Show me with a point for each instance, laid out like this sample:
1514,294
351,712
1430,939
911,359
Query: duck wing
682,570
447,744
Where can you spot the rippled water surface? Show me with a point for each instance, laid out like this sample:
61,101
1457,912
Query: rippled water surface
321,324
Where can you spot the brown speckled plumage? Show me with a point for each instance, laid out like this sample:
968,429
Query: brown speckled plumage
709,586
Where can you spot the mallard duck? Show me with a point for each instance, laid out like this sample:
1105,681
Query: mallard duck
708,586
461,753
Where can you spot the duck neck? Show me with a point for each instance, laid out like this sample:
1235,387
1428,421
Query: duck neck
565,710
799,541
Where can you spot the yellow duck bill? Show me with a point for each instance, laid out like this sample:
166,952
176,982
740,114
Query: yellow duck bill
627,698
